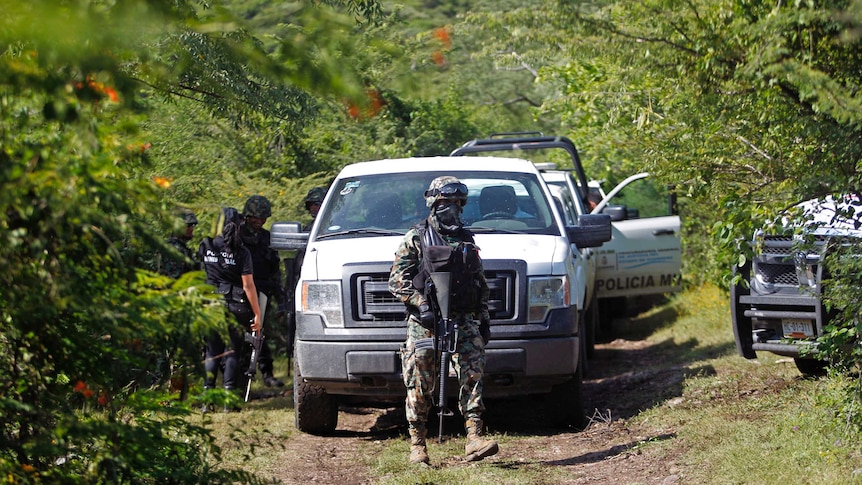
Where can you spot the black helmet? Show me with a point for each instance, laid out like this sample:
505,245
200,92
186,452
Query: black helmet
188,217
315,196
257,206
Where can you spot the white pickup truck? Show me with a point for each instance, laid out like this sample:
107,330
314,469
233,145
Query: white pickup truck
776,303
349,327
644,254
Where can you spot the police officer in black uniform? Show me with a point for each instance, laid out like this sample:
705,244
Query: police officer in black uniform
228,265
267,270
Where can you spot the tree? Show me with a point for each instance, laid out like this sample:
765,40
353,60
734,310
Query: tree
83,322
744,106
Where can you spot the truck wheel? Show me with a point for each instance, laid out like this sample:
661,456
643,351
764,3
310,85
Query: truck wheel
742,326
810,367
566,403
315,411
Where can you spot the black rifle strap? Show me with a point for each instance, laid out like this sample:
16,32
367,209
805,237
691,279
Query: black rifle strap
430,238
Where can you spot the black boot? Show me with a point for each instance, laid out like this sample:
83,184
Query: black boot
271,381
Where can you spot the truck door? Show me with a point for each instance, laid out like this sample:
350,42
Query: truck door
644,254
584,262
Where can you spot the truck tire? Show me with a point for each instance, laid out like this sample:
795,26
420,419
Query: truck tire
566,404
315,411
742,326
810,367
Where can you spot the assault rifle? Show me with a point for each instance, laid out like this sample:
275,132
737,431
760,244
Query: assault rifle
256,341
446,333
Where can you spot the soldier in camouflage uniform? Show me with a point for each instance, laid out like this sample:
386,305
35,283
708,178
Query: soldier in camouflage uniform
445,197
171,266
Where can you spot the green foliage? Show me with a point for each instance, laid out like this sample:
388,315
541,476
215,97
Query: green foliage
840,342
743,106
83,330
401,127
748,108
96,352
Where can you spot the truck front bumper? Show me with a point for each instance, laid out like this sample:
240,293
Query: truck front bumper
762,317
373,369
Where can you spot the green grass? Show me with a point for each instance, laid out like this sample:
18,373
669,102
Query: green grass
778,436
752,421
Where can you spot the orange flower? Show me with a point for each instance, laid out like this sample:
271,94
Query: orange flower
375,104
103,399
112,94
442,34
84,389
162,182
139,147
438,58
353,111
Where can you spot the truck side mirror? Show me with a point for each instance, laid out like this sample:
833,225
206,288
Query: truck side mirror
592,231
287,236
616,212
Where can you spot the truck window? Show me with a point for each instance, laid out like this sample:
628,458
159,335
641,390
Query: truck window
643,198
394,202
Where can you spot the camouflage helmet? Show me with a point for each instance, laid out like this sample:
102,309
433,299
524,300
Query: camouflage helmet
257,206
315,196
445,187
187,216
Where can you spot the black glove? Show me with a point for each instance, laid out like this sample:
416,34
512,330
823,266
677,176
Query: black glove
426,316
485,330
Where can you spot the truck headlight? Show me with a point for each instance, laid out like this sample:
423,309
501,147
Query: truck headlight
323,298
546,294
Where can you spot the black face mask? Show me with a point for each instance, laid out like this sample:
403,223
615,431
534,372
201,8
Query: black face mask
448,214
248,236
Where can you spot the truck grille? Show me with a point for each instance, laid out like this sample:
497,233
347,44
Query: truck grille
776,264
777,245
778,274
501,299
374,303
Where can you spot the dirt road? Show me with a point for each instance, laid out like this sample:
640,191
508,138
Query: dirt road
625,377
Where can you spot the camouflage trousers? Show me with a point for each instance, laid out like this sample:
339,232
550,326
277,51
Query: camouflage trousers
420,365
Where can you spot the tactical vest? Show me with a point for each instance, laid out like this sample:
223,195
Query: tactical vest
461,260
212,257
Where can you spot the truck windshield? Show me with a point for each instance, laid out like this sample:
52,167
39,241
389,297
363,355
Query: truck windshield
392,203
